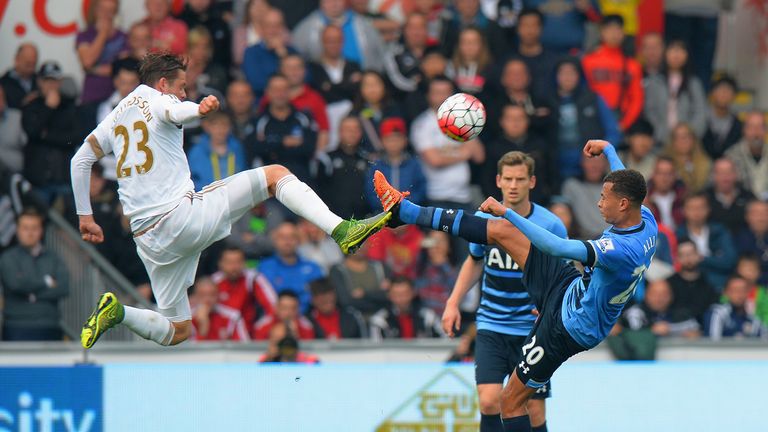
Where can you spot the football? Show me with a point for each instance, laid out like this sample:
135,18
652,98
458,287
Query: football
461,117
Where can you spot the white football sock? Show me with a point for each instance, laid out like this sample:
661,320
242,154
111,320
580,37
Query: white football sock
149,325
303,201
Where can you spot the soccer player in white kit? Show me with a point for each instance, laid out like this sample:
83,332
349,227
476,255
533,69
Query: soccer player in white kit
171,222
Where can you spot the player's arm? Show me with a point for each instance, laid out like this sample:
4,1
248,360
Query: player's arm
178,112
80,167
541,238
468,276
596,147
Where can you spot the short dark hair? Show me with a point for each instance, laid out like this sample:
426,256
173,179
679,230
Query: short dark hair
531,12
231,248
629,184
288,294
321,286
697,195
31,212
155,66
127,64
441,78
725,80
402,280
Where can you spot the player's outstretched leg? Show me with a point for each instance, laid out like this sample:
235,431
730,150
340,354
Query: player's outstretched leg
514,398
302,200
146,323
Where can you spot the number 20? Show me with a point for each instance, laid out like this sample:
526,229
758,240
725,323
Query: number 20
122,131
535,354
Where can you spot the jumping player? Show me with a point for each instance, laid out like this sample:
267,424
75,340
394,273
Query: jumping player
505,315
171,222
575,312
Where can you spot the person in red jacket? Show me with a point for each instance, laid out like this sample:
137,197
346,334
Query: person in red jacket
613,75
287,311
211,320
245,290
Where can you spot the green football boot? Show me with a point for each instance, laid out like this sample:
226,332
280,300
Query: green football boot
108,313
352,233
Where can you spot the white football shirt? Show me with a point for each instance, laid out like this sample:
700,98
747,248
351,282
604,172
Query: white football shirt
145,133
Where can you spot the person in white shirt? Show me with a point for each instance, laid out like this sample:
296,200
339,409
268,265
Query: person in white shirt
171,222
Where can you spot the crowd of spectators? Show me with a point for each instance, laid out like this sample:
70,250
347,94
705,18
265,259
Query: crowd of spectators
336,89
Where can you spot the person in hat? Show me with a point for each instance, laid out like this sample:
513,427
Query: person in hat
613,75
50,122
396,163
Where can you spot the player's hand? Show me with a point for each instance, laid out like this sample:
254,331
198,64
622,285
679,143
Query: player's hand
90,230
208,105
451,319
595,147
492,206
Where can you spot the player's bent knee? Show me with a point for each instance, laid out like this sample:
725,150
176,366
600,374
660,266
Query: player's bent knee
182,331
489,396
537,411
275,172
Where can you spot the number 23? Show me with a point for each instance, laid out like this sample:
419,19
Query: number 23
122,131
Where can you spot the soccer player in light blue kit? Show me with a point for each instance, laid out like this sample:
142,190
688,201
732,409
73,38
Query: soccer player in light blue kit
505,314
575,312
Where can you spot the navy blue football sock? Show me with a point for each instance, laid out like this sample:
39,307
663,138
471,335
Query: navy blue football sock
490,423
517,424
469,227
542,428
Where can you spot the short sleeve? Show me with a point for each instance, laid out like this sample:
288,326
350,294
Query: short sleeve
477,251
422,137
605,252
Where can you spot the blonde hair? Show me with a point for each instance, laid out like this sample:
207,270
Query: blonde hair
199,35
693,169
515,158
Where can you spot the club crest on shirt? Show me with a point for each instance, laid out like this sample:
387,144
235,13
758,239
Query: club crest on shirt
605,244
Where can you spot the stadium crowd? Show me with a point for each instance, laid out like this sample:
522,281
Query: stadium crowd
336,89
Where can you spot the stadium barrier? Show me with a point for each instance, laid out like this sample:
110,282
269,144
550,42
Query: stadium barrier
587,396
90,275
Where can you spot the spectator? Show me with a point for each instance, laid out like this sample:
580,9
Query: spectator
464,14
471,58
343,184
398,249
437,274
363,44
666,193
20,82
212,320
251,31
244,290
396,164
583,193
202,68
579,115
251,232
564,24
751,155
403,60
748,268
446,162
675,96
433,10
372,104
640,155
360,282
652,55
692,164
655,313
303,97
49,121
731,319
318,247
405,317
284,348
287,312
713,240
540,60
239,105
168,33
262,60
139,41
515,89
283,134
613,75
723,127
294,10
381,16
727,197
336,79
97,47
690,289
516,136
329,320
564,212
465,350
217,154
433,65
34,280
12,136
753,239
203,13
695,23
286,269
